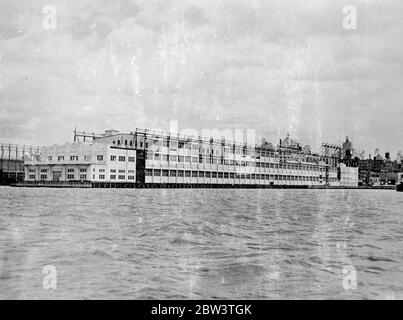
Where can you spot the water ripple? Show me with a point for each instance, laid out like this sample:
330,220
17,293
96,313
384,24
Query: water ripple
200,244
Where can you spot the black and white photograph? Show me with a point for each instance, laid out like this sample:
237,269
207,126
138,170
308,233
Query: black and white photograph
199,150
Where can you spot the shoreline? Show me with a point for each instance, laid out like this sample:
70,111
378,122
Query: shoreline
126,185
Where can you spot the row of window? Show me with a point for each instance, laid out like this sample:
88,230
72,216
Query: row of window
121,171
72,158
126,142
207,148
120,158
100,157
69,177
229,175
113,177
69,170
72,170
215,160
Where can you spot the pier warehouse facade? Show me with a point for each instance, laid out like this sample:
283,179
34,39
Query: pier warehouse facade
96,162
172,160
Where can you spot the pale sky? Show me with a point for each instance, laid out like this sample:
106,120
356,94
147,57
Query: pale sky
275,66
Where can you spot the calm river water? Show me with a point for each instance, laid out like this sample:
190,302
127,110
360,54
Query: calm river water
200,244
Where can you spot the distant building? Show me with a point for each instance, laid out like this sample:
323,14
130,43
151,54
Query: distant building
307,149
390,178
347,176
399,157
378,163
347,152
287,142
365,167
347,149
374,179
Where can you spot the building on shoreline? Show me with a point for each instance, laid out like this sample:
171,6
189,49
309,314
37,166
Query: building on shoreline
97,162
347,176
390,178
158,158
374,171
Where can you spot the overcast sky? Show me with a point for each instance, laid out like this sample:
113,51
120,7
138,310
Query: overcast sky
273,66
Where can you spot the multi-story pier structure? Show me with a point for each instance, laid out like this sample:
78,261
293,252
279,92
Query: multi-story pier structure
163,159
172,159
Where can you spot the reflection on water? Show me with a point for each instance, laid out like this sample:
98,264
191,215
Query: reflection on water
199,244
